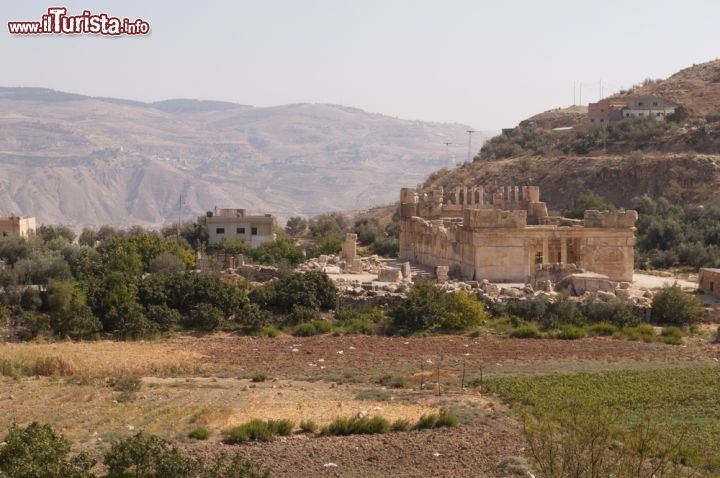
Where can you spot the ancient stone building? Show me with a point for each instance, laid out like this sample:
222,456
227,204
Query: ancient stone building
508,236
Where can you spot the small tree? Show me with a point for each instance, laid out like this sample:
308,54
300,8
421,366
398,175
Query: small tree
147,456
70,314
37,452
672,306
295,226
427,307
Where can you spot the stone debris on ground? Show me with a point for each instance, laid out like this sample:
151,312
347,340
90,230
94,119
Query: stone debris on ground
393,281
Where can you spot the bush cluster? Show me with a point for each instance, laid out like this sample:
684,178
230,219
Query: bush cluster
258,430
672,235
37,451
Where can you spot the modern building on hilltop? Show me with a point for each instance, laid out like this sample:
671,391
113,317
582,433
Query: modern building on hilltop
508,236
17,226
614,109
228,224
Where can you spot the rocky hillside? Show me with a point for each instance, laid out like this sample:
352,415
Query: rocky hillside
77,160
678,160
681,178
697,88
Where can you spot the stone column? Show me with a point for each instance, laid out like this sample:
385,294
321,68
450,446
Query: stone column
563,250
349,248
546,251
531,251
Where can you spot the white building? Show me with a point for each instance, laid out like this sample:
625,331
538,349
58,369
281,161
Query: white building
228,224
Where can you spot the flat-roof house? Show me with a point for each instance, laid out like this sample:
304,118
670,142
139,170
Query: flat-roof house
615,109
228,224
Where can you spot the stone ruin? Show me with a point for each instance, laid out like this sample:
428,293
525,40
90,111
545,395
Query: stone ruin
507,235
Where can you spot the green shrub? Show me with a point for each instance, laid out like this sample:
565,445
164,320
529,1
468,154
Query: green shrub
313,290
36,451
268,331
672,306
526,332
357,426
616,312
400,425
205,317
282,427
308,426
672,335
315,327
643,333
570,332
236,467
427,307
302,315
364,320
199,433
426,422
258,377
603,329
254,430
447,419
359,326
145,455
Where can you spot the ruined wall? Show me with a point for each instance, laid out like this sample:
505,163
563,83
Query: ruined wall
481,242
709,281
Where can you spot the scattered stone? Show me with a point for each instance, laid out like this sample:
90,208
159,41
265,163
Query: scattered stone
622,293
389,275
511,292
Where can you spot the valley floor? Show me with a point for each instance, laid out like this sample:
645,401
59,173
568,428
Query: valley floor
218,381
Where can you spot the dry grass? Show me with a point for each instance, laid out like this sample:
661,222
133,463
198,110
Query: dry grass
100,359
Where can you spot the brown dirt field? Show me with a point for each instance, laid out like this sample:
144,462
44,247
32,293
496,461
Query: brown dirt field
192,381
364,358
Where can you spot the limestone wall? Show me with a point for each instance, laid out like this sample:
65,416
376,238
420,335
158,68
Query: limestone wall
613,219
709,281
498,244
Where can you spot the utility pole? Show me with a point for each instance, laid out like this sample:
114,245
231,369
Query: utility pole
178,223
574,93
447,152
580,95
470,132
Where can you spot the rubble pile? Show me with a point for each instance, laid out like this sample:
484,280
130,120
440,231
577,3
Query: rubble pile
333,264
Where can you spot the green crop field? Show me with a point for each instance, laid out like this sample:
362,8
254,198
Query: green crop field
679,406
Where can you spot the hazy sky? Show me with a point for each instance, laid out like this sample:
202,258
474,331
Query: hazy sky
488,64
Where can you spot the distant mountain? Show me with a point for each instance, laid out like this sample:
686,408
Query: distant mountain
85,161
